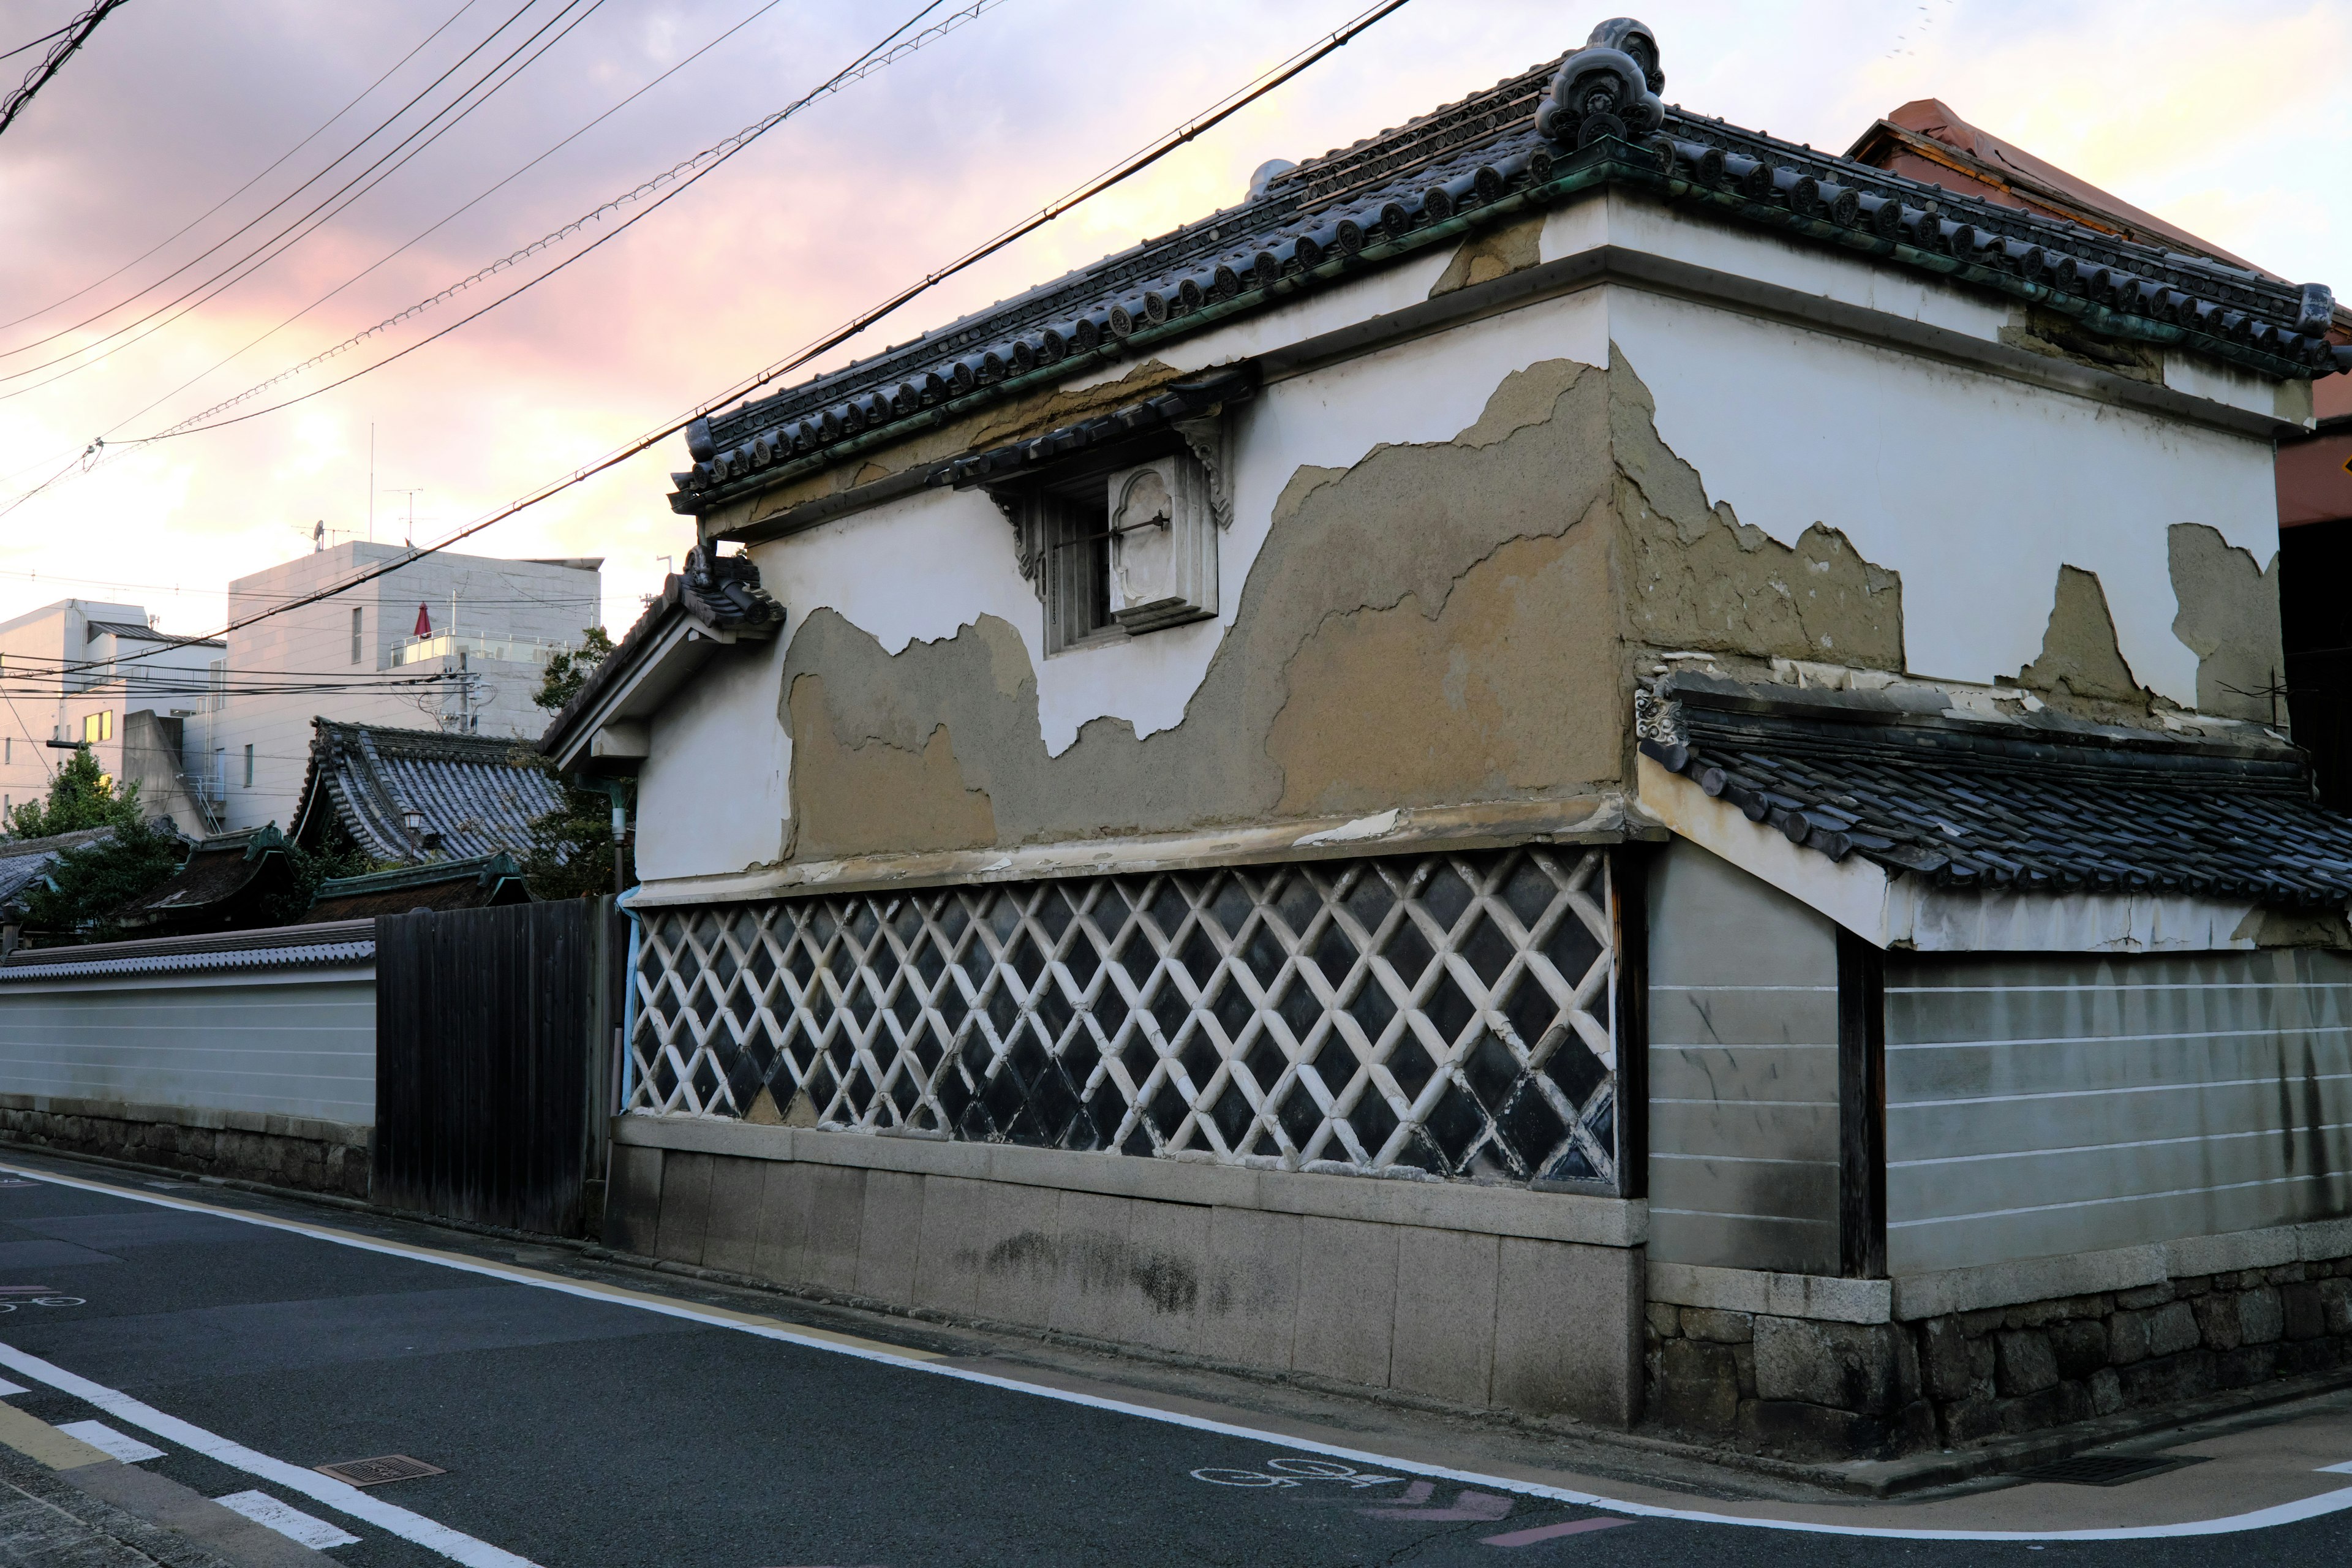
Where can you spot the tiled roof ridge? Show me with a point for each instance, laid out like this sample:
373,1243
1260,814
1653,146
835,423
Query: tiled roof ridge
2048,811
1434,180
721,592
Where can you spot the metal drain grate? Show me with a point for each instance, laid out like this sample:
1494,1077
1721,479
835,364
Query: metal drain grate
375,1472
2103,1469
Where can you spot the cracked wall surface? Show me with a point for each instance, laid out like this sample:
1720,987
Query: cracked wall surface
1698,578
2080,655
2229,618
1438,623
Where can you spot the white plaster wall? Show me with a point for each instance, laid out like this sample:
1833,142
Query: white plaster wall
711,798
1687,233
1975,488
950,554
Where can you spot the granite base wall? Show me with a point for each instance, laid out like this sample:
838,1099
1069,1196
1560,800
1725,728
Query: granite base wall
1806,1388
291,1151
1542,1327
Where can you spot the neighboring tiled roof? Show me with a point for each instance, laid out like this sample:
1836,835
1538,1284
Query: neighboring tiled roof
24,861
435,885
138,632
480,795
217,870
717,593
1432,180
348,942
2037,804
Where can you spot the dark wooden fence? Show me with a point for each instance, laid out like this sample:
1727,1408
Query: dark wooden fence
493,1040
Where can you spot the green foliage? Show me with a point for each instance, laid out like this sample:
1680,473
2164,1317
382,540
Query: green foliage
571,848
568,672
90,882
345,858
79,796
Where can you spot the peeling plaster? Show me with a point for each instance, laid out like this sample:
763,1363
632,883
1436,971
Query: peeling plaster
2229,619
2080,655
1955,478
951,556
1700,578
1347,603
1438,623
1496,253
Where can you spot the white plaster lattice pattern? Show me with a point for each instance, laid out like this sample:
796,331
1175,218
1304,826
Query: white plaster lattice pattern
1448,1013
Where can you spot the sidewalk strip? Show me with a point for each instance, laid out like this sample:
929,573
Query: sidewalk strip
455,1545
936,1365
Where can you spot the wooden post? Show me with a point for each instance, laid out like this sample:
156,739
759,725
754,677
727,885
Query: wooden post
1629,907
1861,1108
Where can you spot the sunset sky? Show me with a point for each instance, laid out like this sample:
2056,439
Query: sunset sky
2222,119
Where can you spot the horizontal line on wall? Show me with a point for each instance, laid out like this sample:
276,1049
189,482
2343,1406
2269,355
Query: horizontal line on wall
2297,1131
1751,1218
1743,1045
2104,989
1742,1160
2094,1203
1754,1104
2124,1039
1815,990
2096,1093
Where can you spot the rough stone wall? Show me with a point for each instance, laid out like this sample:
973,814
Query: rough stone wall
1806,1389
281,1151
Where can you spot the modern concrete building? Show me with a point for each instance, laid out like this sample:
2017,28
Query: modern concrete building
83,669
448,642
1577,760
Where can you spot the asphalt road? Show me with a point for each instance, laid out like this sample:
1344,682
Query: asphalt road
579,1430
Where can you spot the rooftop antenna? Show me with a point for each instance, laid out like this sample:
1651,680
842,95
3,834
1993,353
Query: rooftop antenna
371,482
410,540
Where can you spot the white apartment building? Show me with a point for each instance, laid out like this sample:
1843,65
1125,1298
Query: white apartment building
452,643
95,670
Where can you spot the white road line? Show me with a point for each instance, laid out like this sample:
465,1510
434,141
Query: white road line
108,1441
455,1545
287,1520
2316,1506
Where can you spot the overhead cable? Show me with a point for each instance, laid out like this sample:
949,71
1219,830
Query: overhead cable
1233,104
680,176
466,7
423,234
258,251
69,37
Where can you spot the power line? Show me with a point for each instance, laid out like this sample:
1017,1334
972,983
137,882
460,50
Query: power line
256,251
73,35
422,235
874,60
1233,104
701,164
355,103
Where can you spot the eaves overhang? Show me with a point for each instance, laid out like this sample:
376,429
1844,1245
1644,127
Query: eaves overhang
716,603
1366,207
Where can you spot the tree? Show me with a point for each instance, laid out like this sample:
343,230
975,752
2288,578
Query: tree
79,796
78,899
571,852
343,858
568,672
